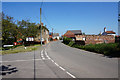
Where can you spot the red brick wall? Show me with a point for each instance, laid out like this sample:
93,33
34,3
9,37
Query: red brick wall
96,39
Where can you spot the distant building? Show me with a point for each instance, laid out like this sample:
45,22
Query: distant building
72,33
56,36
45,35
108,32
94,39
53,36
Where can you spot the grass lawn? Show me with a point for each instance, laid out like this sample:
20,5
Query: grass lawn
20,49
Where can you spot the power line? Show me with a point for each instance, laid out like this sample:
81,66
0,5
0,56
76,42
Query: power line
47,21
41,4
45,17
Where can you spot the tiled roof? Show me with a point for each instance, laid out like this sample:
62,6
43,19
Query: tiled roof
76,31
55,34
69,36
110,32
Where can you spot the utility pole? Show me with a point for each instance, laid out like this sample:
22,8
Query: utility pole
41,27
52,32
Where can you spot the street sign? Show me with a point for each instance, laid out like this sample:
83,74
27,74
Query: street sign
7,45
29,39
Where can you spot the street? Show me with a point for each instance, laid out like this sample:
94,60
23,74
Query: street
57,60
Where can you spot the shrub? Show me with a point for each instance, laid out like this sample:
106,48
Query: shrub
71,43
66,40
111,49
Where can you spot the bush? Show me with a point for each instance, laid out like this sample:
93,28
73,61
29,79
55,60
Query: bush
111,49
66,40
71,43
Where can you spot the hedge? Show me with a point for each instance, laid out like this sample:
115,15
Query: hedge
108,49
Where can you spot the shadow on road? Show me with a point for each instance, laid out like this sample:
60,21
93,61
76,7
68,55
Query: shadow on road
5,70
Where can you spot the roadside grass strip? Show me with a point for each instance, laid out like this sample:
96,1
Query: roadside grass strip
19,49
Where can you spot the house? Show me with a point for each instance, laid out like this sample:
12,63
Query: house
94,39
53,36
105,37
50,36
108,32
56,36
45,34
72,33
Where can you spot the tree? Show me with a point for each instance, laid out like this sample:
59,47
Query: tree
83,33
27,29
9,30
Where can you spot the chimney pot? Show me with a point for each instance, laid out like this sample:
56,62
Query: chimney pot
105,29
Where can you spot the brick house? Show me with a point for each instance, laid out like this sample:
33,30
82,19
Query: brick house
94,39
108,32
72,33
89,39
45,35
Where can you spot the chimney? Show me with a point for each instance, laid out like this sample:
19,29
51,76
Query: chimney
105,29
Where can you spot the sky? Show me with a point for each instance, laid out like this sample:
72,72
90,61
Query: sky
119,21
60,0
90,17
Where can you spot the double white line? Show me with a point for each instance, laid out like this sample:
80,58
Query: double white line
43,58
43,55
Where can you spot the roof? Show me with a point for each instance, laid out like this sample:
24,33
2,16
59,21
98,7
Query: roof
76,31
110,32
69,36
55,34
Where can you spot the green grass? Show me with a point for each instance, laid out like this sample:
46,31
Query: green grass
20,49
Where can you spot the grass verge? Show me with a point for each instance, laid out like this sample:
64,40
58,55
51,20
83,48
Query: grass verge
19,49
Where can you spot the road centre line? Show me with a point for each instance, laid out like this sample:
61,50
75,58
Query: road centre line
60,66
71,75
47,55
43,58
56,64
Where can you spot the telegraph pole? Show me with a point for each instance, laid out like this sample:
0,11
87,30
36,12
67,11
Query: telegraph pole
52,31
41,27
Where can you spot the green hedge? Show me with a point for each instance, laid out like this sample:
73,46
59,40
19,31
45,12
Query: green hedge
66,40
110,49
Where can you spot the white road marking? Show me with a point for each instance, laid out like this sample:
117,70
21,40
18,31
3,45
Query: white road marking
70,75
20,60
56,64
59,65
52,60
47,55
62,68
42,56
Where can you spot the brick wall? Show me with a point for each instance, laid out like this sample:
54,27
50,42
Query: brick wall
95,39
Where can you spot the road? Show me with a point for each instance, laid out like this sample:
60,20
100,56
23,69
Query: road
56,60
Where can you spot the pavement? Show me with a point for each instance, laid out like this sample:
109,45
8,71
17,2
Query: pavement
56,60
